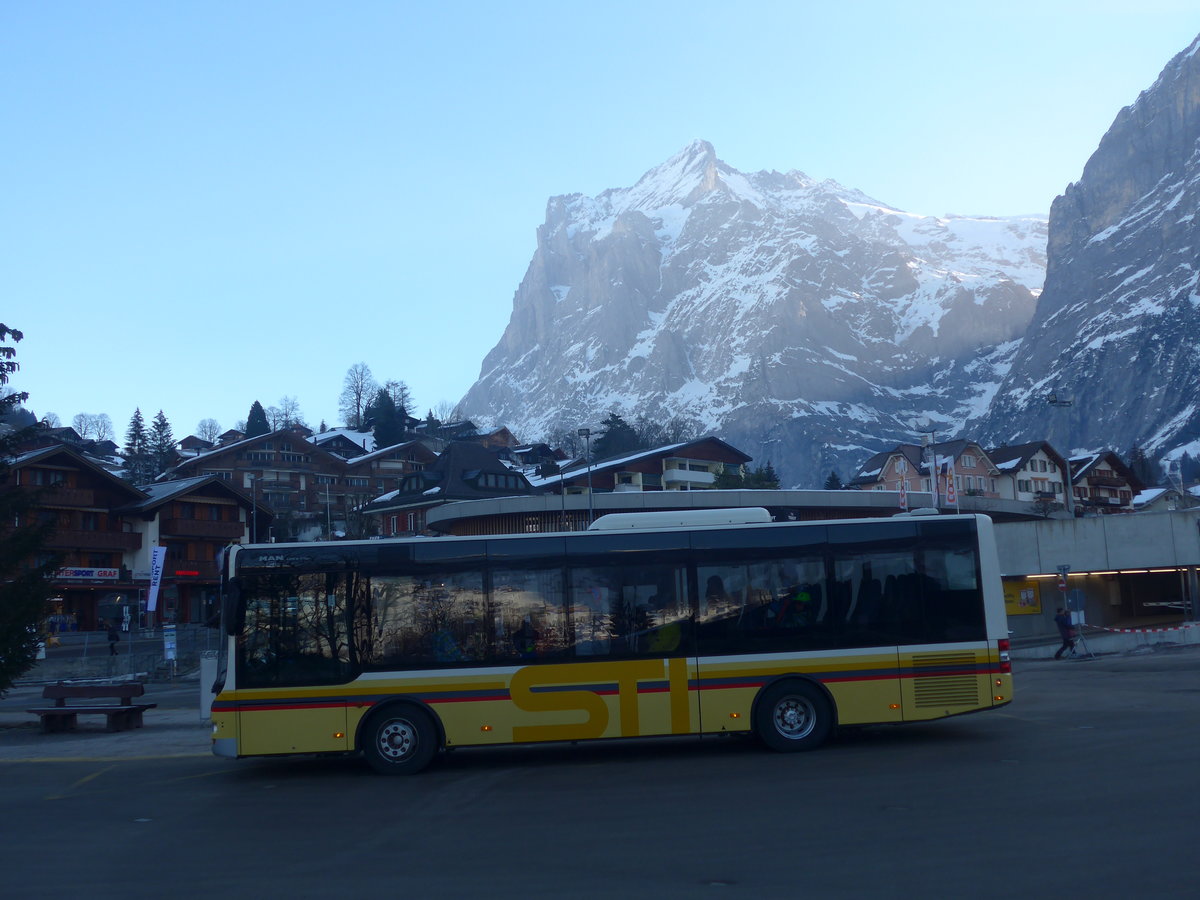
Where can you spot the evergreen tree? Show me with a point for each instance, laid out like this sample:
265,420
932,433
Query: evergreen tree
138,461
762,479
1142,467
730,478
834,482
381,415
25,566
1189,469
256,422
162,445
618,437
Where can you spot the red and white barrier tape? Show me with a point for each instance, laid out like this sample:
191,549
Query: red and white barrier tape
1145,630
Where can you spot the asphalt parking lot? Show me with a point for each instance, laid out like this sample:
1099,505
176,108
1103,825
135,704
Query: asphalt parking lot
1083,786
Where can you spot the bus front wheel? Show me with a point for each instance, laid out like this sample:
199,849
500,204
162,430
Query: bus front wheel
401,740
793,715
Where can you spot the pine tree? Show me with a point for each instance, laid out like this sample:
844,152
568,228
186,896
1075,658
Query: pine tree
256,422
1142,467
834,482
1189,469
25,567
729,479
381,415
763,478
162,445
618,437
137,450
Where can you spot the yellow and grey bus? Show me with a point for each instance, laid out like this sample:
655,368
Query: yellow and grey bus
690,623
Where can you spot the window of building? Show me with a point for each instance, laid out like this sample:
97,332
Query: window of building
968,461
46,477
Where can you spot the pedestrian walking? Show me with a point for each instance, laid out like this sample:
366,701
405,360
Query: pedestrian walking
114,635
1066,630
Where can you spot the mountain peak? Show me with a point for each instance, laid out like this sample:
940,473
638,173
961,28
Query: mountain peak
680,181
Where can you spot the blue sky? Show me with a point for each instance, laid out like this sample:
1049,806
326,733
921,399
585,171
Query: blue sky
207,204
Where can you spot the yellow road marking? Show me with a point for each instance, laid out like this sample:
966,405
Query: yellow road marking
82,781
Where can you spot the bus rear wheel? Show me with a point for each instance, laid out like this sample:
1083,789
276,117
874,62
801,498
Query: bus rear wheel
793,715
401,740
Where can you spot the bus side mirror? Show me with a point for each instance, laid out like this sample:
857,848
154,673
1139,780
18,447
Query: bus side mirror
233,613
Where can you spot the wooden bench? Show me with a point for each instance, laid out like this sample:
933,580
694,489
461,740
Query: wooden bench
121,717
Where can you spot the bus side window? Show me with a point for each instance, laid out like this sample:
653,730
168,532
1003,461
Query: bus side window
529,617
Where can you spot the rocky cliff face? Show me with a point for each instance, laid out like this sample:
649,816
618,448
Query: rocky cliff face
1117,327
802,321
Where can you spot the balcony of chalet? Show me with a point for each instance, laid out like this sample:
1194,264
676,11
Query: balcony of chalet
61,496
67,539
202,528
1108,481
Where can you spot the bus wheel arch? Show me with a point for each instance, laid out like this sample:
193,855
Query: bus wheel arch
399,737
794,713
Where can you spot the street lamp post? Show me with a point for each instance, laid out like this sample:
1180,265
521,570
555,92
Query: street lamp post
253,509
586,434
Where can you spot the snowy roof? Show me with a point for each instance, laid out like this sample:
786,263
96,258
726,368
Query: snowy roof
1149,495
578,467
383,451
364,439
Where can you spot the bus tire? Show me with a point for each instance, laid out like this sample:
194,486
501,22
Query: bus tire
793,715
399,740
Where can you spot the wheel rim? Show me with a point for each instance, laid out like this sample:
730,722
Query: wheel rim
794,717
397,740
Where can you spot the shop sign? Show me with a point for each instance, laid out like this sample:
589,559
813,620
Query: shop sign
93,574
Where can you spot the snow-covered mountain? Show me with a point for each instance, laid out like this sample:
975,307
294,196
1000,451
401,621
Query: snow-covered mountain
1118,326
803,321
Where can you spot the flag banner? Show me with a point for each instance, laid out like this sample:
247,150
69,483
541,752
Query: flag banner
904,495
158,560
951,488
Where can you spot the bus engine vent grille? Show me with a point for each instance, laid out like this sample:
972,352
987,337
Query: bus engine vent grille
945,680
